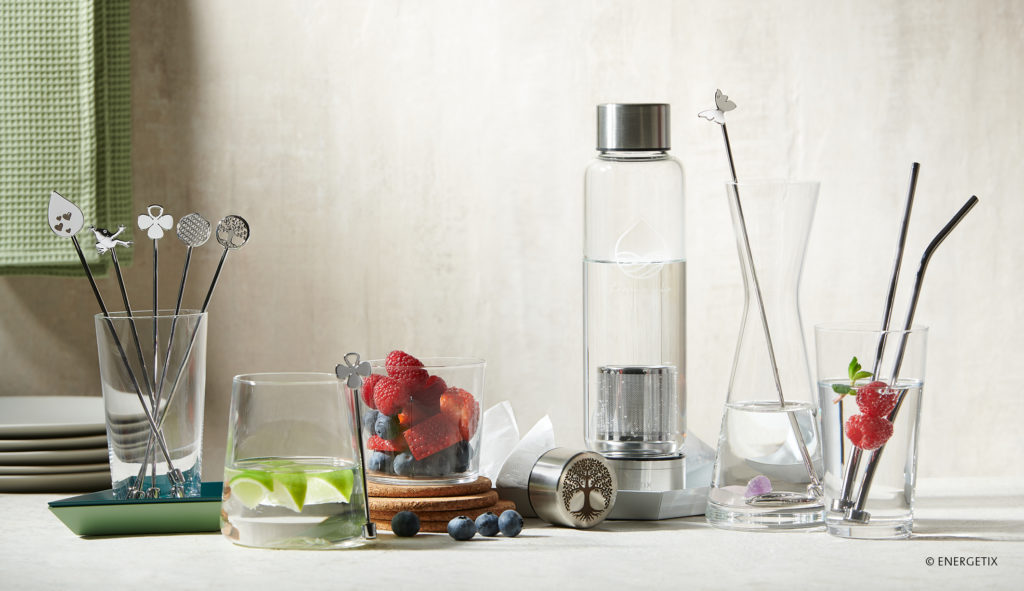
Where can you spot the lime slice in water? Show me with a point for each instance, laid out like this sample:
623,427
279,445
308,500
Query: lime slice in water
250,487
289,490
329,487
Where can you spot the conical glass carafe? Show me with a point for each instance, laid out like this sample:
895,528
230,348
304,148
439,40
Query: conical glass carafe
767,451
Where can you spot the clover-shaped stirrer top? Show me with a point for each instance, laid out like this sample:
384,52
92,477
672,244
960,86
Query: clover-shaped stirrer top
353,371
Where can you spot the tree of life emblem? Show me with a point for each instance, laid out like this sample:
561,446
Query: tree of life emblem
588,477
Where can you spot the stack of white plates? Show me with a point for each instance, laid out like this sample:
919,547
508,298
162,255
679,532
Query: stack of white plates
53,444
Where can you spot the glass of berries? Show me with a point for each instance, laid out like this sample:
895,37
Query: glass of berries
421,419
870,384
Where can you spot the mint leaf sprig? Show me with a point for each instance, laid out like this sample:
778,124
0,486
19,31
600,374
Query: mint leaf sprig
856,372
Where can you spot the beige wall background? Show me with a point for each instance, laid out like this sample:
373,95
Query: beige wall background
412,173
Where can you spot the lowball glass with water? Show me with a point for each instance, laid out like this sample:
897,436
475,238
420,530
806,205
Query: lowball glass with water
291,474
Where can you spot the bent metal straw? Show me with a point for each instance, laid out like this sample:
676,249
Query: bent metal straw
857,512
65,219
717,115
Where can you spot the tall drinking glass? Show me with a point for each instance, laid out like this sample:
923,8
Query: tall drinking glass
869,434
291,474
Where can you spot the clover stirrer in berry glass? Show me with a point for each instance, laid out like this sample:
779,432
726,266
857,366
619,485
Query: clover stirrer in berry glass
717,115
843,502
353,371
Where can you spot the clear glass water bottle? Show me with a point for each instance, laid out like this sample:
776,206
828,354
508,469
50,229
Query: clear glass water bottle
634,286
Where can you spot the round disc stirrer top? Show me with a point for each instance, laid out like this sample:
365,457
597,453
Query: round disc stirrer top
232,232
193,230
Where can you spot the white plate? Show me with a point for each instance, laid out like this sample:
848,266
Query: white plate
54,443
82,482
59,456
50,416
67,469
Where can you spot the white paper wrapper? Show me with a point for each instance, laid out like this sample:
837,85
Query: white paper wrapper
516,471
501,435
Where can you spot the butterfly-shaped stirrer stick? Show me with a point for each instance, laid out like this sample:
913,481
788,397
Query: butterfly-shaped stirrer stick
353,371
717,115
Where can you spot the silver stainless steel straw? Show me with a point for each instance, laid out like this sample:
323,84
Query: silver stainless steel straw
857,513
717,115
844,502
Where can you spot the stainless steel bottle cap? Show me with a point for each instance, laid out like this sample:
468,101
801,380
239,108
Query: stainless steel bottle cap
572,488
625,126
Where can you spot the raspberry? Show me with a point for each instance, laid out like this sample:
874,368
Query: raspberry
462,408
377,444
876,399
405,368
430,393
867,432
389,395
367,390
431,436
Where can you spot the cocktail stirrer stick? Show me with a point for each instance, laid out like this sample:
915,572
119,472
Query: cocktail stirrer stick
353,371
154,221
107,242
193,230
69,221
717,115
857,513
232,234
843,502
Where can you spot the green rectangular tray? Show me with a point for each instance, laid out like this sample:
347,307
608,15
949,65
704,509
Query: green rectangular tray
100,514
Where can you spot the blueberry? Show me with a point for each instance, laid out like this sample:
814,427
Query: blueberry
487,524
369,420
462,455
386,427
404,464
380,461
405,524
510,523
461,528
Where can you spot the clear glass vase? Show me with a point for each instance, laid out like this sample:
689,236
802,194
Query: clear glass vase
767,451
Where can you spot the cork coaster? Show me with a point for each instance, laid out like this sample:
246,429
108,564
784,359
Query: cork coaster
426,527
434,503
447,516
374,489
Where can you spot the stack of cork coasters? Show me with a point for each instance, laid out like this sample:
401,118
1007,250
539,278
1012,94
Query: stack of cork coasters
434,505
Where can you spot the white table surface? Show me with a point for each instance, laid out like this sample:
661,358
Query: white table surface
955,518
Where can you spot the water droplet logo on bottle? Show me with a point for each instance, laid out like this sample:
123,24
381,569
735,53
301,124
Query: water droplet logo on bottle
640,251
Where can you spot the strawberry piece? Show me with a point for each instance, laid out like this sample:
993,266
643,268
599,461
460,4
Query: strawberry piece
376,443
414,413
367,390
389,395
461,407
876,399
430,393
867,432
431,436
405,368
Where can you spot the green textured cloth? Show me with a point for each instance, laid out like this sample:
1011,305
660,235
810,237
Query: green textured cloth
65,126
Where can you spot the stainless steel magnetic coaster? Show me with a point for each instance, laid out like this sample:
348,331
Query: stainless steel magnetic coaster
572,488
